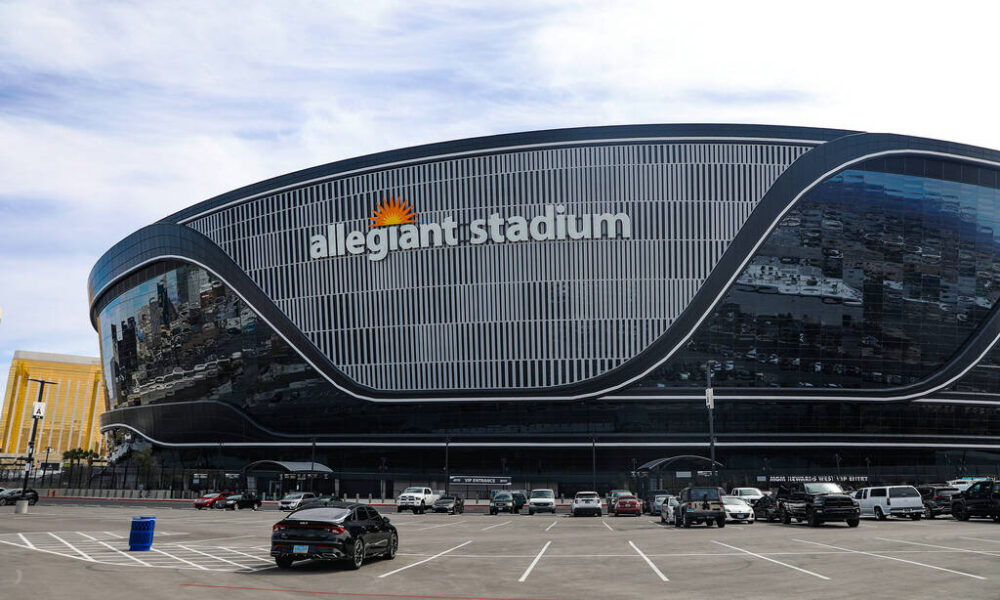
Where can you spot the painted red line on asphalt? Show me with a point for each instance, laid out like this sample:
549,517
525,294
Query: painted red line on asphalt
346,594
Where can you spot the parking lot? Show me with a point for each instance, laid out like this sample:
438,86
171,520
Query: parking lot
81,551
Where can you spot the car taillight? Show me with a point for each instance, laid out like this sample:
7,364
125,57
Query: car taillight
937,498
334,529
279,527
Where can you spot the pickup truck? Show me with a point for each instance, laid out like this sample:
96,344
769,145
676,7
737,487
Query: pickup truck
417,499
816,503
981,499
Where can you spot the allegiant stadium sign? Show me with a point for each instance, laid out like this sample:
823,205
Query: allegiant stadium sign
394,227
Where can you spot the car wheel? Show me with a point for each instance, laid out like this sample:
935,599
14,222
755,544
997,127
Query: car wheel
879,514
687,521
399,509
785,517
531,513
237,506
357,555
811,519
598,512
3,502
853,522
390,553
423,508
961,514
996,518
721,522
284,562
928,512
416,510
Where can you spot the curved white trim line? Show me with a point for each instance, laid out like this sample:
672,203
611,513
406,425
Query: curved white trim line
668,355
520,147
534,444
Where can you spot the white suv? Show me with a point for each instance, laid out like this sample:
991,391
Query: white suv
293,500
543,500
890,501
586,503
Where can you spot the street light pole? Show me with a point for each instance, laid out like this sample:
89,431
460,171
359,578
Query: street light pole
312,468
447,467
37,414
45,465
710,404
593,462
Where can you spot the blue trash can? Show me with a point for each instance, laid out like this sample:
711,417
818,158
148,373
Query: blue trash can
141,537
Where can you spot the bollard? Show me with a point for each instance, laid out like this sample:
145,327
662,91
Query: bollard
140,539
21,507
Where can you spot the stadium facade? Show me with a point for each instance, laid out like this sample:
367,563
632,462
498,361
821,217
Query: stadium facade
527,302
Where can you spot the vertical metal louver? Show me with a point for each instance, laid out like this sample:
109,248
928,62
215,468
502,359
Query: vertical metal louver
502,316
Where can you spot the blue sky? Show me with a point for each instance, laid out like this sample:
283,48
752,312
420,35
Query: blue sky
115,114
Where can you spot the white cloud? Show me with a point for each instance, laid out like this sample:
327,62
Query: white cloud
114,115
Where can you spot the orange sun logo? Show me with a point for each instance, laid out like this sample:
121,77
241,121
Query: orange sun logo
394,211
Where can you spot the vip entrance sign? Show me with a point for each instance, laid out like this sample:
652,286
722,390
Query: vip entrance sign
394,226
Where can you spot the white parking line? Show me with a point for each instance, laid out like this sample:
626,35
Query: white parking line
981,540
212,556
648,562
777,562
552,525
442,525
40,550
497,525
425,560
606,525
531,567
29,544
115,535
126,555
893,558
179,559
234,551
89,537
72,547
941,547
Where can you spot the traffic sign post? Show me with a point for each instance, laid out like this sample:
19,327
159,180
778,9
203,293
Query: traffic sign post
37,414
710,405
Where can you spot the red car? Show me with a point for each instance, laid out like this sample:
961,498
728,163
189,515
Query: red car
208,500
628,505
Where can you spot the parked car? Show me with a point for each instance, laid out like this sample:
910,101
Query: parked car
449,503
293,500
586,503
241,501
816,503
417,499
663,502
750,494
345,531
737,509
890,501
982,499
965,482
649,498
627,505
503,502
700,505
937,499
767,508
542,500
319,501
209,499
12,495
612,499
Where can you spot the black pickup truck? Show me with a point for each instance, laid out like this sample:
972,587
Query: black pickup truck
817,502
981,499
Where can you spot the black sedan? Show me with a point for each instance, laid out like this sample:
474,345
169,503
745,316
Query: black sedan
452,505
339,531
14,494
766,508
241,501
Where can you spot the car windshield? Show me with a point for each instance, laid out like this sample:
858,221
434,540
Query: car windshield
212,495
502,497
704,494
234,497
626,497
733,501
660,499
293,496
823,488
748,492
543,494
903,491
320,514
945,492
413,491
446,499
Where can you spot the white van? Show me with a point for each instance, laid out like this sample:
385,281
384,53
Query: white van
890,501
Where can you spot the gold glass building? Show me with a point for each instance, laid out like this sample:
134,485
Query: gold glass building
72,407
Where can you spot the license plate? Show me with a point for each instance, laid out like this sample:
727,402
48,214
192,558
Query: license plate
741,516
300,549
